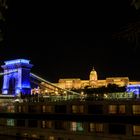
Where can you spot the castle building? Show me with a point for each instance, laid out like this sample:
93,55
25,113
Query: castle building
92,82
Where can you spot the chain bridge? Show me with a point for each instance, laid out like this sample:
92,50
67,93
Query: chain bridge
17,78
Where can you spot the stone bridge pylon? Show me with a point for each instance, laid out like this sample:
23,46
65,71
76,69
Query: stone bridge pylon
16,77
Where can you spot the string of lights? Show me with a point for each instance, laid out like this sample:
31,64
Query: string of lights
43,80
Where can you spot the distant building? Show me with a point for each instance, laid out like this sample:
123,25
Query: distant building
92,82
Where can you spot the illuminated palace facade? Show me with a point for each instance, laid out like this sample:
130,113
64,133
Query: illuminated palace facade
92,82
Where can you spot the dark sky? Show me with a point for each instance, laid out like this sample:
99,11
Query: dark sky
65,40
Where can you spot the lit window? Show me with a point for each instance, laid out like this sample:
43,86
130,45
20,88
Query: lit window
74,109
136,109
51,138
21,109
25,134
43,124
121,109
96,127
81,109
10,122
112,109
68,84
47,109
136,130
11,108
77,109
46,124
34,136
43,108
76,126
73,126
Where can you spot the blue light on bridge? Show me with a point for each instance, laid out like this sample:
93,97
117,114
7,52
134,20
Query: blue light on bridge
16,77
5,92
17,61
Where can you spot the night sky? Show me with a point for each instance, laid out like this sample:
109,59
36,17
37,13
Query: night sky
65,40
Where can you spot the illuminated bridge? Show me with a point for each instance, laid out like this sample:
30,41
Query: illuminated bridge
17,78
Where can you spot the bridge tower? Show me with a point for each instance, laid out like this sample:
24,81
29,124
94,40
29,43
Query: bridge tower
17,77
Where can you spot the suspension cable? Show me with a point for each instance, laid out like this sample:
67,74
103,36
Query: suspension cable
42,79
8,72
